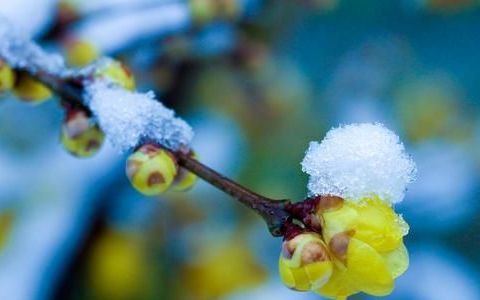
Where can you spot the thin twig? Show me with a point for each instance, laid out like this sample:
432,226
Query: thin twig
274,212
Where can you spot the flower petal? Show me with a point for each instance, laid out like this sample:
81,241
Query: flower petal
367,269
397,260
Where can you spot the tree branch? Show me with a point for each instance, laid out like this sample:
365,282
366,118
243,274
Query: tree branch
276,213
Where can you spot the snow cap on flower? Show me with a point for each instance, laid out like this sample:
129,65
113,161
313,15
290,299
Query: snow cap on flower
357,161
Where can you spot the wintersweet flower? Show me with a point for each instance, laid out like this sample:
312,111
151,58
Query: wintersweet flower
365,240
356,173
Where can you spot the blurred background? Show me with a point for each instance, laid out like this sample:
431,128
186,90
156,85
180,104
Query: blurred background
257,80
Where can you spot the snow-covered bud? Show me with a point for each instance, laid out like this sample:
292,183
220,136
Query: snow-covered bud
7,77
151,170
80,136
118,73
305,263
31,90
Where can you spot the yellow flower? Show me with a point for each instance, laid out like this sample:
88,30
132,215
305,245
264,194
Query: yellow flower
305,263
365,239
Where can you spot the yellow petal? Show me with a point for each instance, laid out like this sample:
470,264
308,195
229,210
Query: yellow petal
397,260
302,282
367,269
378,225
286,274
298,271
318,273
337,221
338,286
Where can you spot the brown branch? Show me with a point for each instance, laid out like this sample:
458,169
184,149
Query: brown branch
272,211
276,213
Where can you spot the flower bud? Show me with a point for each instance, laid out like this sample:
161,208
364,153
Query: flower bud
151,170
305,264
30,90
7,77
206,10
185,179
80,53
117,73
80,136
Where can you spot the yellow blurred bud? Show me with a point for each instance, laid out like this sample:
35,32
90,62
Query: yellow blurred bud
31,90
80,136
151,170
7,77
221,268
118,267
6,224
117,73
207,10
305,263
80,53
184,180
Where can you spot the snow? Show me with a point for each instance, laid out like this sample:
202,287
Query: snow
113,31
32,17
127,118
130,118
18,50
359,160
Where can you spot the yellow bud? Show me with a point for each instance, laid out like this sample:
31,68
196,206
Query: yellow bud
7,77
151,170
31,90
81,53
117,267
206,10
118,73
184,180
202,11
305,263
80,136
7,219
